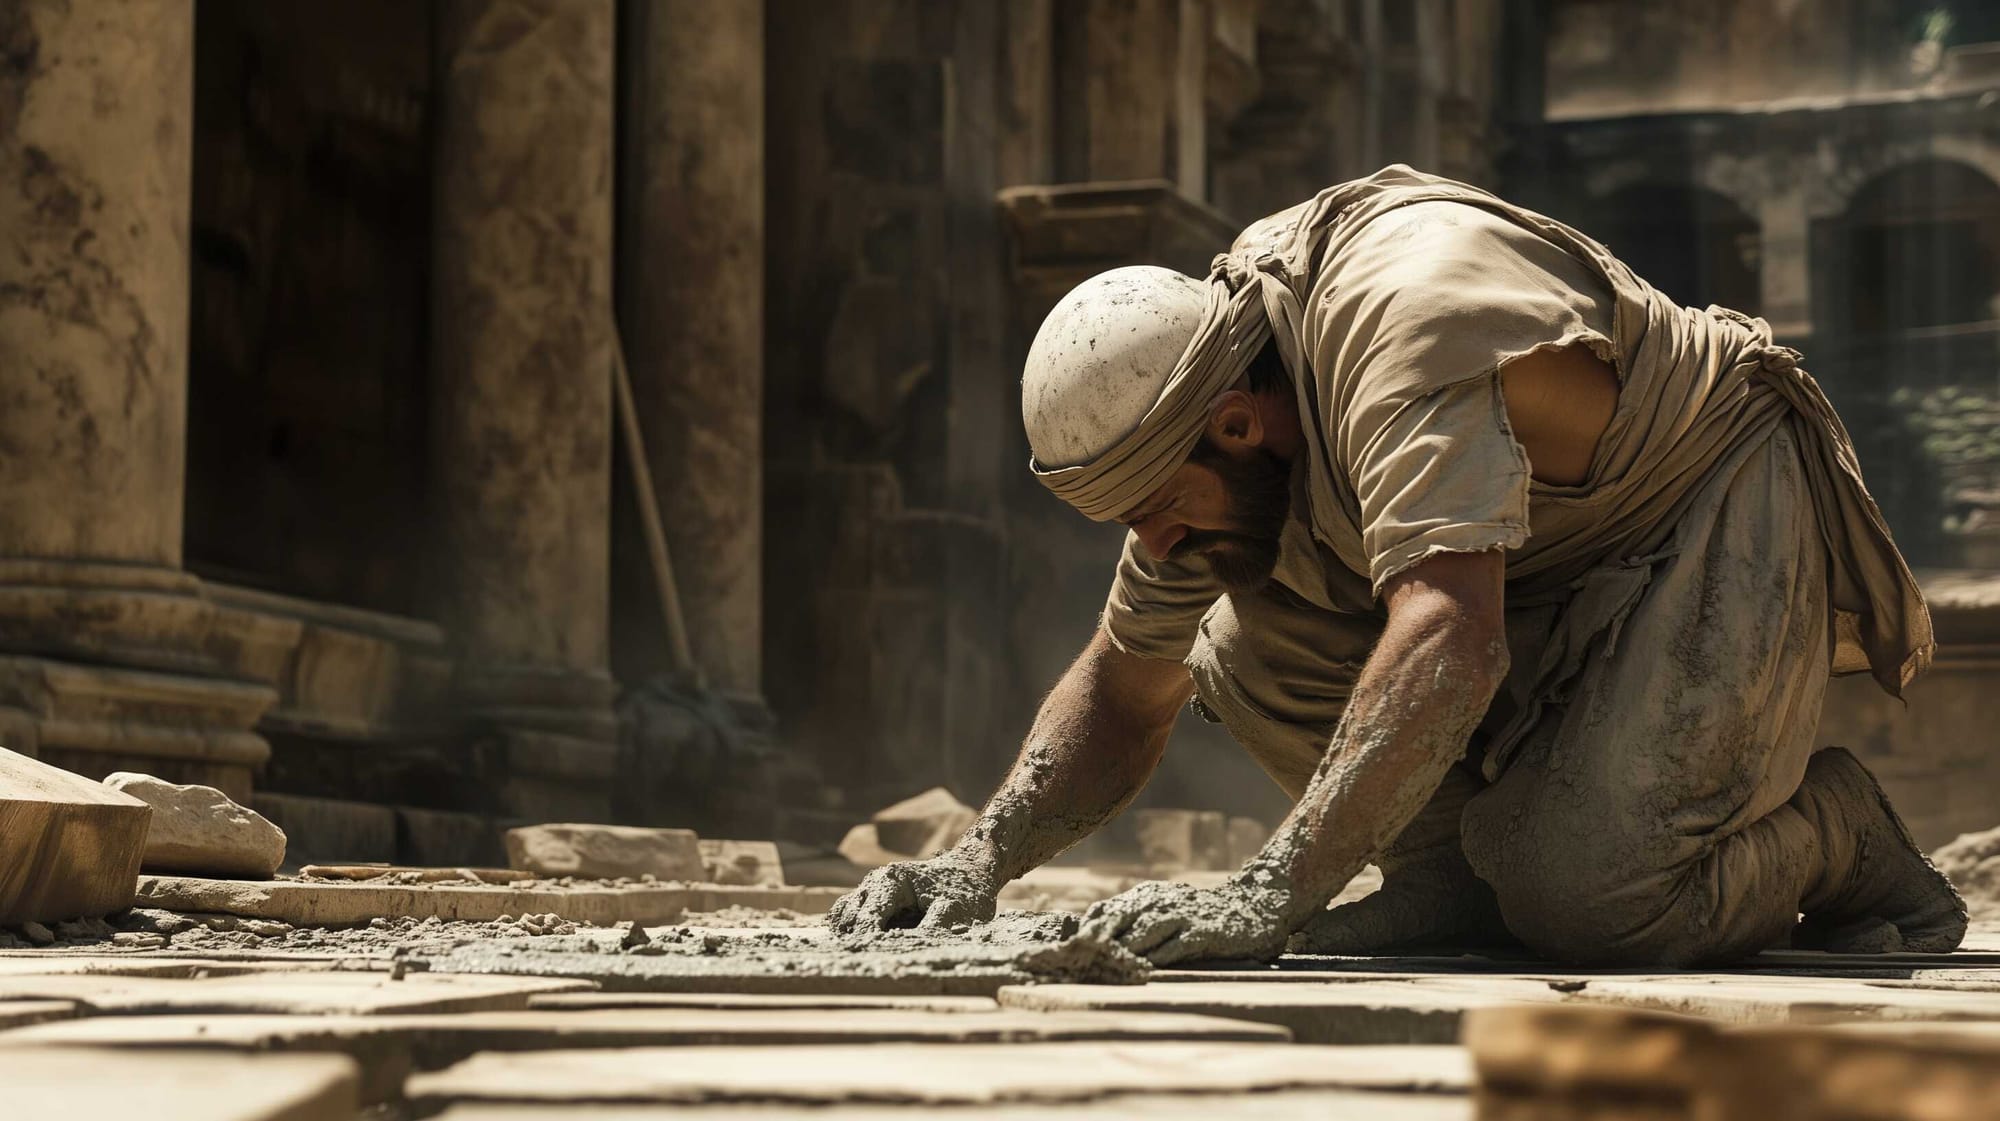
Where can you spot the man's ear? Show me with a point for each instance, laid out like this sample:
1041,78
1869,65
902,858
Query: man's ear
1234,422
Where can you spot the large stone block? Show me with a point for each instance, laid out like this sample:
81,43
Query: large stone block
924,825
72,846
200,831
606,851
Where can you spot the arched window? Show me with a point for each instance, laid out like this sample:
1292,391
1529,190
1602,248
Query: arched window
1694,244
1923,249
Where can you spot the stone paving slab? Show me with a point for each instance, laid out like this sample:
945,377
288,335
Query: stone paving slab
34,963
86,1083
389,1048
1276,1105
1764,1000
353,904
933,1074
1383,1012
26,1013
767,1002
285,993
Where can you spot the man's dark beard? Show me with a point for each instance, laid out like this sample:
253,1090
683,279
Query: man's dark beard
1259,488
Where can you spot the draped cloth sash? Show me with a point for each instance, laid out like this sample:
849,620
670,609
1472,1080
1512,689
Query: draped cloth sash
1695,385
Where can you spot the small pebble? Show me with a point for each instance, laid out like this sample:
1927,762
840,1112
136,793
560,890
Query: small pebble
265,928
138,940
37,933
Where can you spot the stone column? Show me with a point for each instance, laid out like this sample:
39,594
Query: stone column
109,655
691,293
521,276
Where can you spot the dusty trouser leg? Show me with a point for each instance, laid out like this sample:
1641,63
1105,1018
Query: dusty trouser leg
1658,816
1277,672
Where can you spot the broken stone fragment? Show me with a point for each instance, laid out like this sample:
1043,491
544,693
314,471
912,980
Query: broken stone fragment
200,831
742,863
1973,864
72,845
1183,840
605,851
925,825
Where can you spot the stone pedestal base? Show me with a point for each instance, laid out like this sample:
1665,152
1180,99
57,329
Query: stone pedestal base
95,720
129,667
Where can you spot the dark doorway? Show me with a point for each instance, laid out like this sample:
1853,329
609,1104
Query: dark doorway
308,371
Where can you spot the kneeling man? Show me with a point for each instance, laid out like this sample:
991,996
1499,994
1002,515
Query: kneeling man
1522,580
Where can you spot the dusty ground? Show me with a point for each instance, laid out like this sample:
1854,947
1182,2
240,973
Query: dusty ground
744,1014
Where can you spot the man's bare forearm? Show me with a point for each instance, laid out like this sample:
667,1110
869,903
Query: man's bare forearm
1413,710
1096,741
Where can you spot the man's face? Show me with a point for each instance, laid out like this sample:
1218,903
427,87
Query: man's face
1228,508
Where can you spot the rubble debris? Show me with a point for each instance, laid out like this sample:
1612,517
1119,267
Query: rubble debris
1015,948
605,851
742,863
1973,864
73,845
925,825
200,831
1183,840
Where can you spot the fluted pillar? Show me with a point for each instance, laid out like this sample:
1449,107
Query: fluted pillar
691,293
522,405
110,657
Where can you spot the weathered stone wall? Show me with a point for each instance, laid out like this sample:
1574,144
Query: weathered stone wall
888,399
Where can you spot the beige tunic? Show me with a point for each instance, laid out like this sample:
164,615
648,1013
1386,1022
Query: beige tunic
1395,300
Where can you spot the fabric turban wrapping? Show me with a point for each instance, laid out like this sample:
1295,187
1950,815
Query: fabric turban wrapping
1234,327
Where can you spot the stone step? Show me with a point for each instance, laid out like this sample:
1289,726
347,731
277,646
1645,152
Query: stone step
921,1074
1364,1012
91,1083
285,992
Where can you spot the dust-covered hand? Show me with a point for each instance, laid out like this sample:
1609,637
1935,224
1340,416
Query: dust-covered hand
945,891
1171,922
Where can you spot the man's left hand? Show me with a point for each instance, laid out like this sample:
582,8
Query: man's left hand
1166,922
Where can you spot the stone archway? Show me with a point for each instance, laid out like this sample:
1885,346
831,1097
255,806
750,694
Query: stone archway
1920,244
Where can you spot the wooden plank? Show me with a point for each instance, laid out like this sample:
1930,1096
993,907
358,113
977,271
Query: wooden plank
73,846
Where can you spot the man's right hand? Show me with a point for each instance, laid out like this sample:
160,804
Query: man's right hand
945,891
